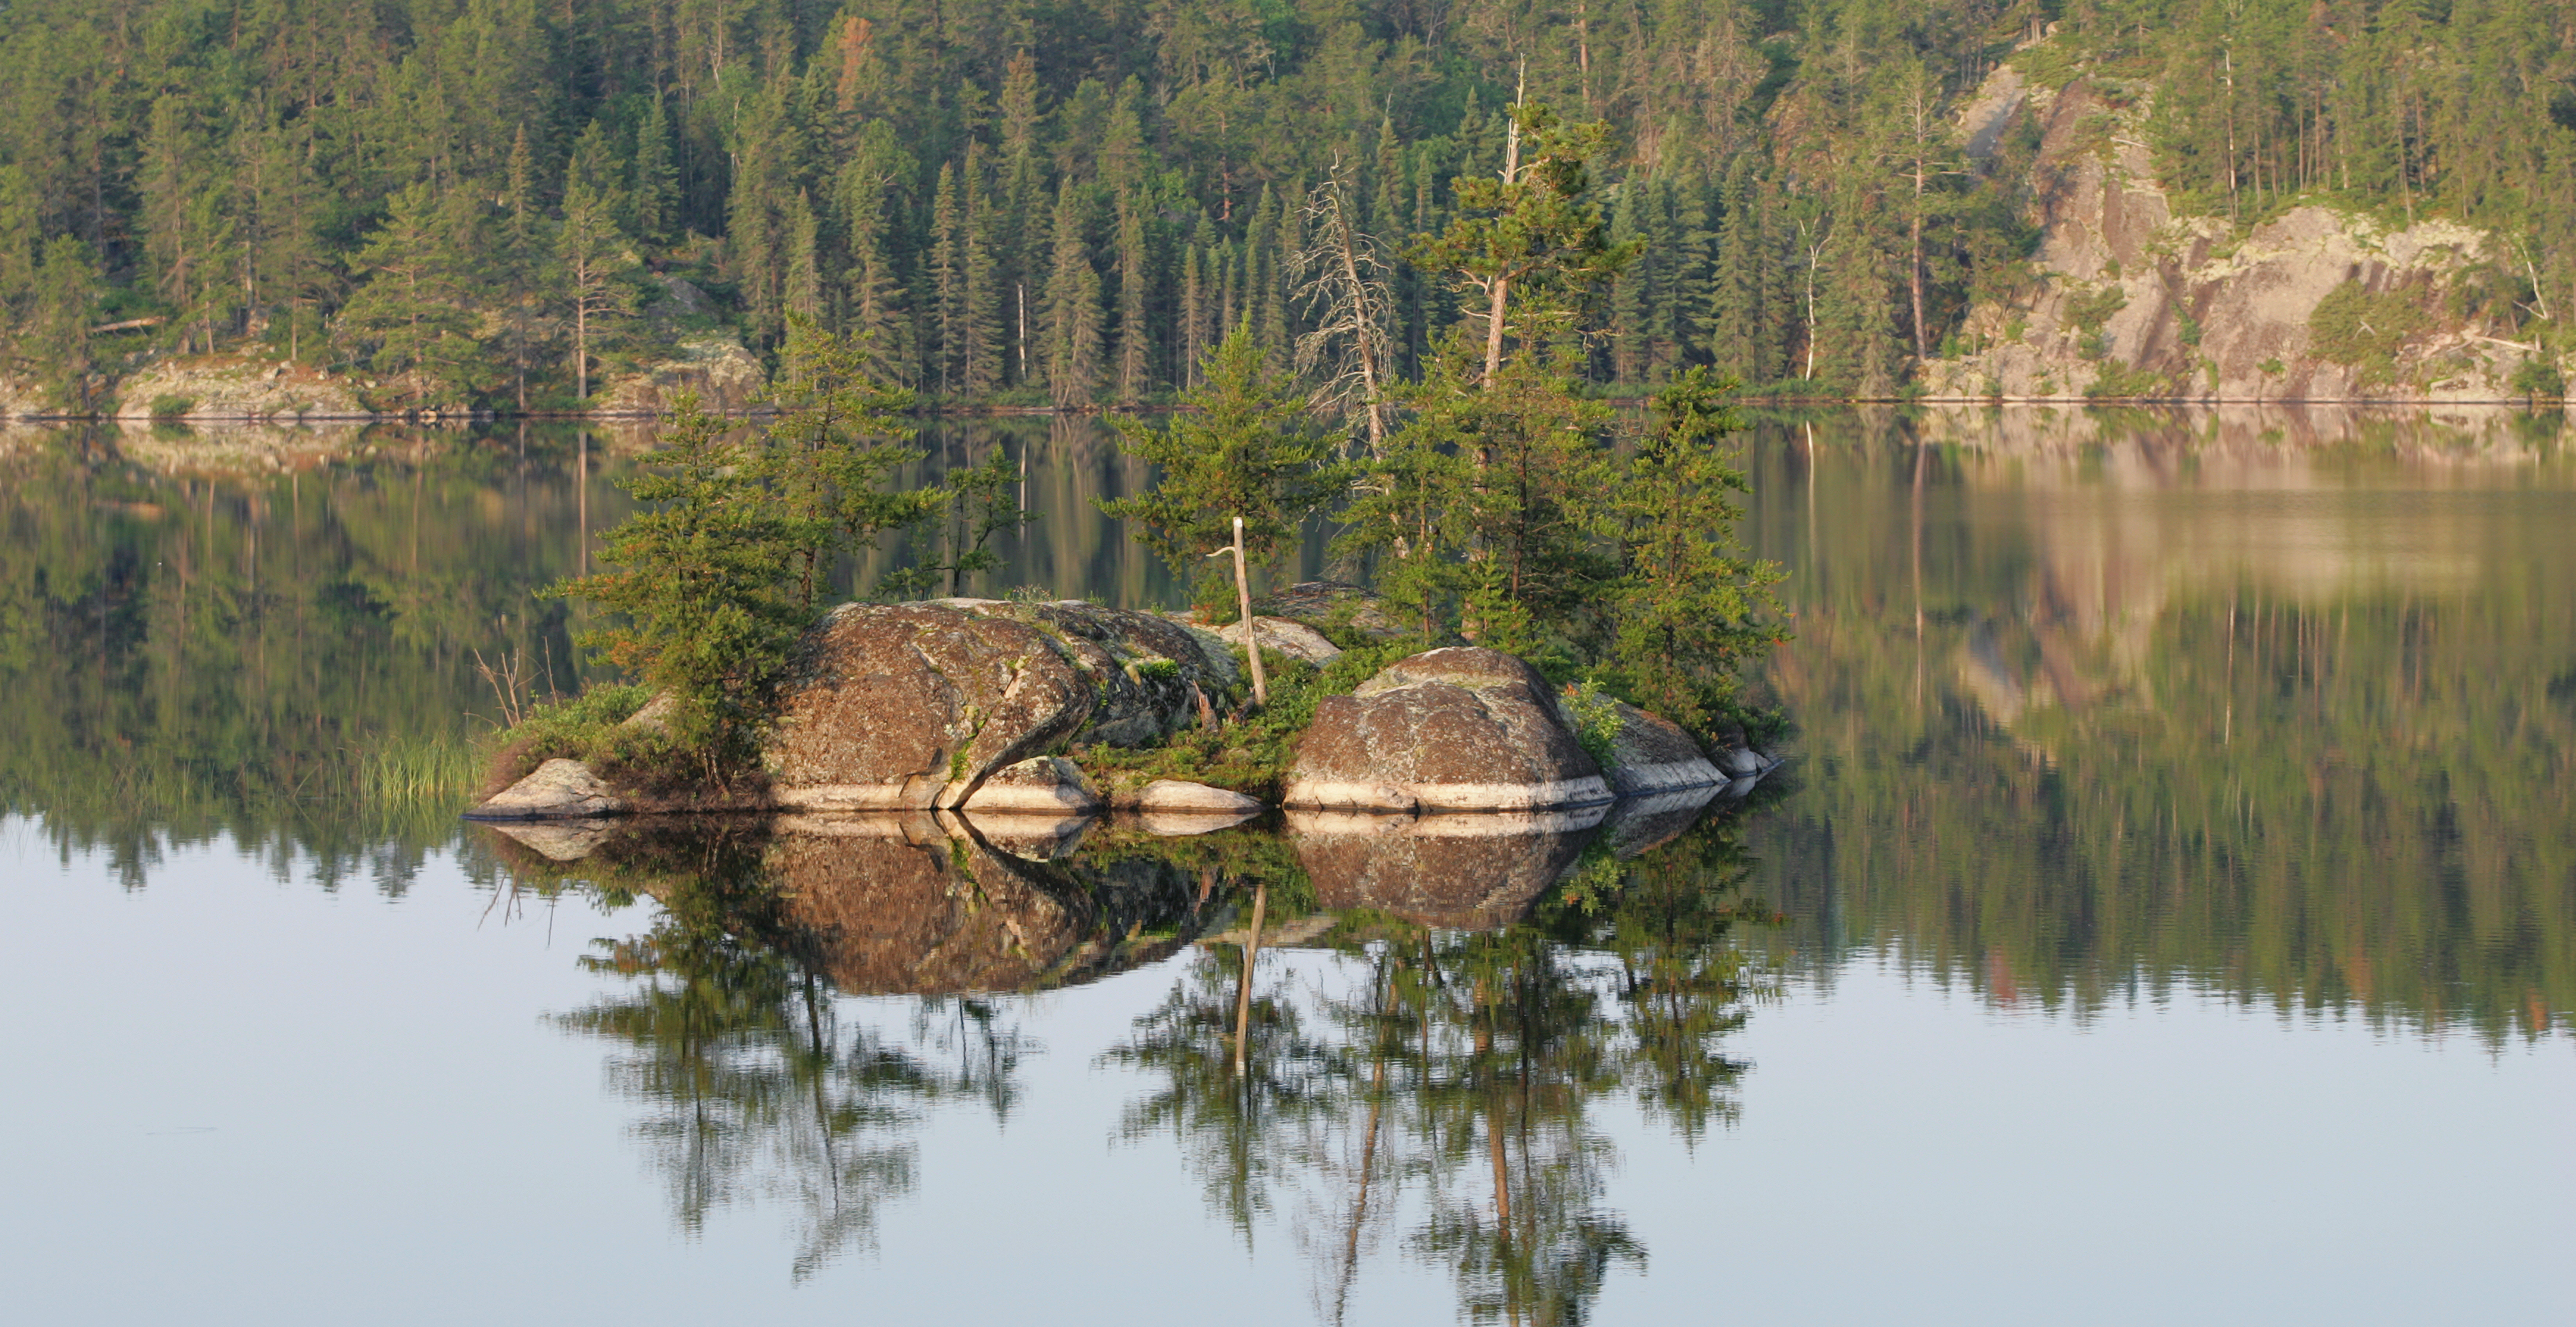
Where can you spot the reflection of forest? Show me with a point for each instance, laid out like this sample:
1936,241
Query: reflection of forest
230,630
1439,1083
2165,705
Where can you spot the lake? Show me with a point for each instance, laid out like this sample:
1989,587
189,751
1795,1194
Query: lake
2168,912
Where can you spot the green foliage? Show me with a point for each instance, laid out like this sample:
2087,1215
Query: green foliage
838,441
1595,715
2538,377
2354,326
2117,382
1689,608
1248,752
2092,309
698,585
172,407
978,502
1243,449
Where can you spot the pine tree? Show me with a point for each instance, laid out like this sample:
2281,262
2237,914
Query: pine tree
595,264
947,279
1242,449
1073,311
653,184
1135,330
414,318
980,354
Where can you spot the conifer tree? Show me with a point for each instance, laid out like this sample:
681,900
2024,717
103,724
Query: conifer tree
980,354
414,317
1242,449
1135,330
1074,316
653,183
596,266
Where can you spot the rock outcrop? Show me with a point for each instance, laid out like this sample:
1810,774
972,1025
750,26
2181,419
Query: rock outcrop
1460,729
727,379
2136,301
1329,603
556,790
1651,754
1040,784
916,705
235,387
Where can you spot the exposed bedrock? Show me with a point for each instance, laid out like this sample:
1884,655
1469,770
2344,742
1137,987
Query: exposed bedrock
1471,729
917,705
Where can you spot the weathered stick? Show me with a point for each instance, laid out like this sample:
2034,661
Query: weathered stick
1251,638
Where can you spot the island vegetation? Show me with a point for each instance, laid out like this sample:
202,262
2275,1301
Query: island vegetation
1491,503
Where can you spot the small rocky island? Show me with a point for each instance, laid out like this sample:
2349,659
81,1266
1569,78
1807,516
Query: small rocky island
989,707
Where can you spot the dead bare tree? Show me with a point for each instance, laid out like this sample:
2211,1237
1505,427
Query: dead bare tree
1341,277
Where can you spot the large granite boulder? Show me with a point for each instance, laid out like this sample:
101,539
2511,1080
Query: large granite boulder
1460,729
916,705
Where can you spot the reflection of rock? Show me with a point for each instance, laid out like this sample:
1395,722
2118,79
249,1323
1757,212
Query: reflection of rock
1035,836
901,908
1462,729
235,387
232,448
1639,823
1187,824
558,840
726,377
1473,871
556,790
914,705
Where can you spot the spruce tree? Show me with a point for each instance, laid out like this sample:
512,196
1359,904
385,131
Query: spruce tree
1074,316
1135,328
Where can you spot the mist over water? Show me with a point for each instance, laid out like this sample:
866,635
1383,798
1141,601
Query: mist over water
2177,832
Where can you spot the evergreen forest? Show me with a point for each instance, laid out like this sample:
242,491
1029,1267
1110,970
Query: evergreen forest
499,202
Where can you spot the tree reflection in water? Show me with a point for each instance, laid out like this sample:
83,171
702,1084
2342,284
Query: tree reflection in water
1449,1075
755,1082
1480,993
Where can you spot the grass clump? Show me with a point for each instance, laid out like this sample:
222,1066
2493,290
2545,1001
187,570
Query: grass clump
2365,331
1249,752
590,728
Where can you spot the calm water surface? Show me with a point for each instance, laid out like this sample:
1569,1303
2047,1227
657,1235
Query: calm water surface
2169,914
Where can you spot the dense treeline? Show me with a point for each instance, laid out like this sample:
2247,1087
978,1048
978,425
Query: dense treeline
497,200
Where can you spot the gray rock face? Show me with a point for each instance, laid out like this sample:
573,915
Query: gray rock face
917,705
1330,602
1651,754
1036,785
556,790
1173,795
1461,729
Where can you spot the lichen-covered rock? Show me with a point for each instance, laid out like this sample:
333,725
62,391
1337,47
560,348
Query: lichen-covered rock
1145,664
1471,872
916,705
556,790
1460,729
1651,754
1040,784
235,387
727,379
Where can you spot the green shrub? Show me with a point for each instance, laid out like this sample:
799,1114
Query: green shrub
587,728
172,407
2354,327
2090,311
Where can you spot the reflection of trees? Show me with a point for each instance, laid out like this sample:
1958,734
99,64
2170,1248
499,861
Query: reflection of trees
756,1084
1446,1079
2286,726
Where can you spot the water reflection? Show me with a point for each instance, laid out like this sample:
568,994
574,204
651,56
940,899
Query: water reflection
1464,992
2095,704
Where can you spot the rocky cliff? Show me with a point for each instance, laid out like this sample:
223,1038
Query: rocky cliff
2128,298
